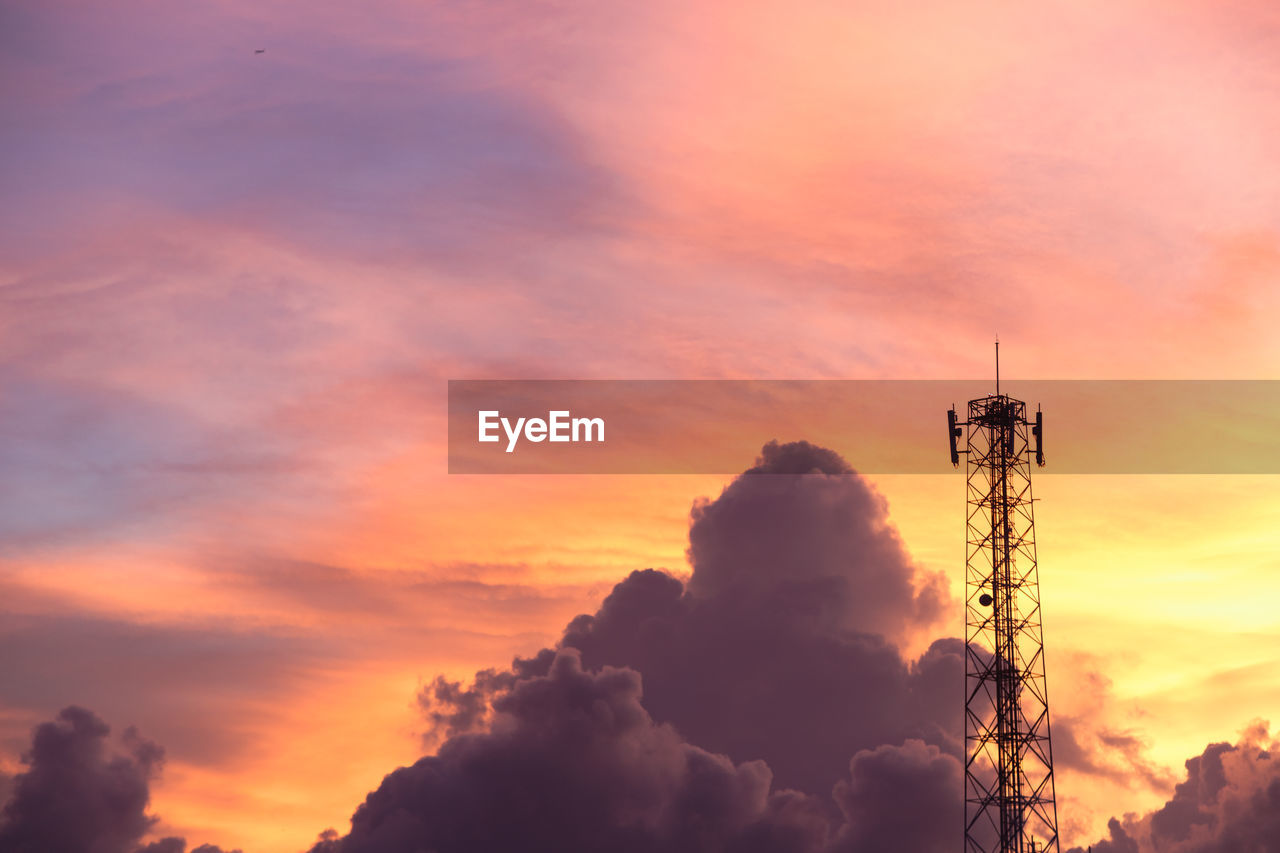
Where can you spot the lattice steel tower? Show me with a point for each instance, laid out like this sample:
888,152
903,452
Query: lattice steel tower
1009,794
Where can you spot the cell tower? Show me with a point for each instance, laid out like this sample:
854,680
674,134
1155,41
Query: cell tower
1009,794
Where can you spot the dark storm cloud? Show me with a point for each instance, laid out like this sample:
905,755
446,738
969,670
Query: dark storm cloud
901,798
165,845
754,675
779,652
179,845
769,667
1117,841
801,528
80,793
1229,802
77,794
573,761
452,709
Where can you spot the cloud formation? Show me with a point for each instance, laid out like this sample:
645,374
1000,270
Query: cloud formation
781,652
816,534
761,705
79,794
770,665
574,762
778,652
179,845
1229,802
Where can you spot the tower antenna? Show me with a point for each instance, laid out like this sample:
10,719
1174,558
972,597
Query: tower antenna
997,364
1010,805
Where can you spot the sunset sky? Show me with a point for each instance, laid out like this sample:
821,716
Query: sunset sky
235,285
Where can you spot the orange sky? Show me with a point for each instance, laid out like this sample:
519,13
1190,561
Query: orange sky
235,285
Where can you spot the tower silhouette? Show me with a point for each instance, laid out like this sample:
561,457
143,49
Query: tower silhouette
1009,792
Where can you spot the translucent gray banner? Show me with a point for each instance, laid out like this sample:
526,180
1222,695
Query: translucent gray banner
879,426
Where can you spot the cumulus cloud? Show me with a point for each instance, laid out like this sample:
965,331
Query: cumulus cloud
165,845
82,794
1082,745
756,677
179,845
452,709
775,712
816,534
780,652
78,794
901,798
573,761
1229,802
761,705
